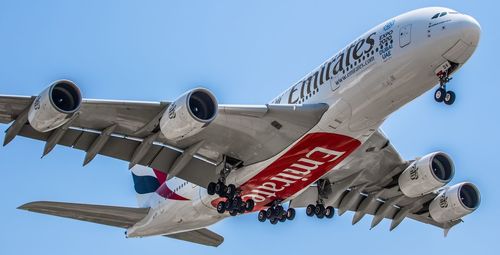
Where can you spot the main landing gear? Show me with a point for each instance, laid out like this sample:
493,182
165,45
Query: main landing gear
320,211
233,202
441,94
276,213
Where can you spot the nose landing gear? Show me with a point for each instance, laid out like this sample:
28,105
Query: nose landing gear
441,94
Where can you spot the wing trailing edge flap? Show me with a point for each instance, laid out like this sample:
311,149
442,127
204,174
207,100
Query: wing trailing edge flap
116,216
395,208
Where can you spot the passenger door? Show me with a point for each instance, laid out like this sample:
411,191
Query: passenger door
405,35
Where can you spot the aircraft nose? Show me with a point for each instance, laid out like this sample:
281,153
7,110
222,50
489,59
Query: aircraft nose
469,29
463,34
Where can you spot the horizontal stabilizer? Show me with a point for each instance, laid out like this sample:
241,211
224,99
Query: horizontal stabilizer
200,236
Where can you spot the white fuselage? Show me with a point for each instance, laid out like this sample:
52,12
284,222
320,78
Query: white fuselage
376,74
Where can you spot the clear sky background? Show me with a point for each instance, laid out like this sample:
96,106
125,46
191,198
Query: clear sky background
246,53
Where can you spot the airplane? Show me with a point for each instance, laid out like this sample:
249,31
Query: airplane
318,145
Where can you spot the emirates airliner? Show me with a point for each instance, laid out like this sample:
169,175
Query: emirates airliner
318,145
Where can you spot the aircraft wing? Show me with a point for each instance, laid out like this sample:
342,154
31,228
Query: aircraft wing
367,184
117,129
123,217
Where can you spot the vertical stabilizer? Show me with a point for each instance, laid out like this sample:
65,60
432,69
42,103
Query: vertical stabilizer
146,182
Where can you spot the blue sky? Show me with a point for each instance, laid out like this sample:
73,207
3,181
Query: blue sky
247,53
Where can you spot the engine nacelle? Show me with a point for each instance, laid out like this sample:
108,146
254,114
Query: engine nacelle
426,174
189,114
55,106
455,202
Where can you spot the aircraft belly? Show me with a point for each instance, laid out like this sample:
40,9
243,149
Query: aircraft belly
305,162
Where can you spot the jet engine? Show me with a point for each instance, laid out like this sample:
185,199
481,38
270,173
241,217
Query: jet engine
426,174
55,106
189,114
455,202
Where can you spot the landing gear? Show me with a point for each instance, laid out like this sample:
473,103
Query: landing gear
276,213
329,212
221,207
211,188
441,94
262,216
233,202
250,204
231,190
449,97
310,210
235,205
290,214
320,211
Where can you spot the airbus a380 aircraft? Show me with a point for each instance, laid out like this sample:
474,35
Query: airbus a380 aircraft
317,145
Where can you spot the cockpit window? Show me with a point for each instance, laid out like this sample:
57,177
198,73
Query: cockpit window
437,15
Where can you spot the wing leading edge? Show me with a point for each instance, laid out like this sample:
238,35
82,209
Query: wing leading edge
128,130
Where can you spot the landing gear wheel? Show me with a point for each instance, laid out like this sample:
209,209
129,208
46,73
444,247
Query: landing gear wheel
320,211
310,210
220,189
233,212
290,214
221,207
449,97
250,205
211,188
283,218
439,95
269,213
329,212
243,208
273,221
231,190
279,210
236,203
262,216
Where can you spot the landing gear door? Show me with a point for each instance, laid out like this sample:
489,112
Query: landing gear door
405,35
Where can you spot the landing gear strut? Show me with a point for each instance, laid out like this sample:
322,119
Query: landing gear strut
319,209
276,213
233,202
441,94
